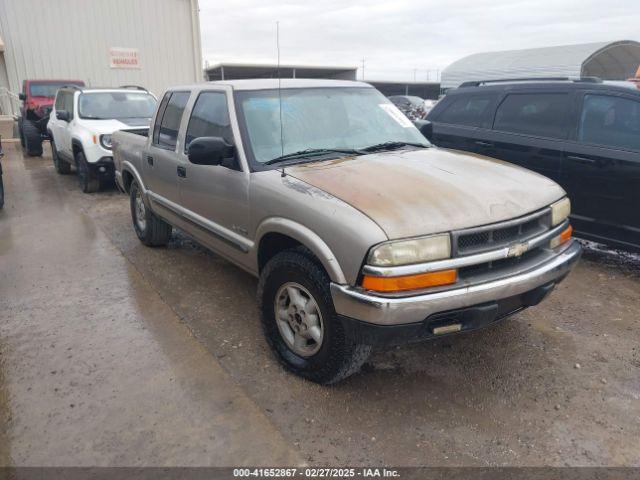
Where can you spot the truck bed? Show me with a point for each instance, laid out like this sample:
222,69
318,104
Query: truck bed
128,146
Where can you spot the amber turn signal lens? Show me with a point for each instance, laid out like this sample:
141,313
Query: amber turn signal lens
410,282
564,237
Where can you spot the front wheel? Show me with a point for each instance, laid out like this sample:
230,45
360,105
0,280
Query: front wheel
151,230
87,178
300,322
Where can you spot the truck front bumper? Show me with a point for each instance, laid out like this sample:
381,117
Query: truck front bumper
479,304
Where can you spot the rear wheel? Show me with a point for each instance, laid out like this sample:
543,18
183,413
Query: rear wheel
32,140
300,322
151,230
60,165
87,178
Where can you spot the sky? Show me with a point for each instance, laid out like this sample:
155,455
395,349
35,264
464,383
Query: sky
404,39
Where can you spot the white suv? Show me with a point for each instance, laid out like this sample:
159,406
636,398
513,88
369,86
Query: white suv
81,124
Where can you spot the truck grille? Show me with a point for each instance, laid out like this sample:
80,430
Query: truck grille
498,235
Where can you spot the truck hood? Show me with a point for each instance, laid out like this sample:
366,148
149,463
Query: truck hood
419,192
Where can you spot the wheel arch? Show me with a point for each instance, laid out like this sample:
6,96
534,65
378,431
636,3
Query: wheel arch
276,234
129,174
76,146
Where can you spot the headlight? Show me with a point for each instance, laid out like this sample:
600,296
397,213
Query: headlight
105,141
405,252
560,211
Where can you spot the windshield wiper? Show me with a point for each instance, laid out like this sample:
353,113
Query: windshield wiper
391,146
311,152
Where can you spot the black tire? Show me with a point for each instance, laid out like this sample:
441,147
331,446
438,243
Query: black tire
155,232
1,193
339,356
61,166
87,178
32,138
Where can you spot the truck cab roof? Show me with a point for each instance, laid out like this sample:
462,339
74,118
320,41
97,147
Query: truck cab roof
274,83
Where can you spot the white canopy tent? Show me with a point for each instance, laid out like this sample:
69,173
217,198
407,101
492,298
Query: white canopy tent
608,60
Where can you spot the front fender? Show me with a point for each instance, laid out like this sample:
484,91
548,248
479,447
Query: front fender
306,237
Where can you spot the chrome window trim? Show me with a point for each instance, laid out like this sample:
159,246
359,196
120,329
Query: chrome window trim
469,260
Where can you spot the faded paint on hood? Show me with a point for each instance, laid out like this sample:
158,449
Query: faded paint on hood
419,192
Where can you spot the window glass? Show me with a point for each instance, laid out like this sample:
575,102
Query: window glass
467,110
68,102
170,124
119,105
161,108
610,121
60,101
540,114
320,118
209,118
47,90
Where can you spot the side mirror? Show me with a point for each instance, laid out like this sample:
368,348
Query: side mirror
209,150
63,115
425,127
22,96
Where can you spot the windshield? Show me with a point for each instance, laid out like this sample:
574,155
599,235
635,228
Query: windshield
45,89
320,118
108,105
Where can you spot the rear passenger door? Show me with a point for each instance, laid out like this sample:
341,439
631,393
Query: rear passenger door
603,166
161,161
462,122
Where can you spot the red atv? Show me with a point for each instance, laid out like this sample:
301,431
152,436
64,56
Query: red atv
37,101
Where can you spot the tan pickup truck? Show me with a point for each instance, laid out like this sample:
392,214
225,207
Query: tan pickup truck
360,231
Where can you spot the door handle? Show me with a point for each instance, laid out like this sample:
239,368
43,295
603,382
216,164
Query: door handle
182,172
579,159
480,143
150,160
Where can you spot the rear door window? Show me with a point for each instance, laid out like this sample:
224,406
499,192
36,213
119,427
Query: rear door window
538,114
469,110
209,118
610,121
166,135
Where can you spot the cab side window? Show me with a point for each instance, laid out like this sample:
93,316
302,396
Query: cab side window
610,121
165,133
209,118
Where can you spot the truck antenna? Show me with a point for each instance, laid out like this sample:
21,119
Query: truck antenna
280,92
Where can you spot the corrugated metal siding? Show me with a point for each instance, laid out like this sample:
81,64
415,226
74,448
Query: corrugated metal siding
560,61
71,39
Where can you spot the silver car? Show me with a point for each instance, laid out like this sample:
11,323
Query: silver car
360,231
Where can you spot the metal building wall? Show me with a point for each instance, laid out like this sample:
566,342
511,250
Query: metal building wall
71,39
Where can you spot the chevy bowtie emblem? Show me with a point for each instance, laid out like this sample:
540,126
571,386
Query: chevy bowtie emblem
517,249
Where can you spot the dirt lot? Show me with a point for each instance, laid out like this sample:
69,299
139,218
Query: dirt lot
555,385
